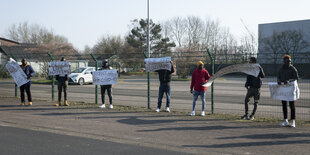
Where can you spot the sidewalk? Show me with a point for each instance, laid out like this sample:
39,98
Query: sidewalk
170,131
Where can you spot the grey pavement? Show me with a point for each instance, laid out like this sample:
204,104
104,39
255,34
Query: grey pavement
136,131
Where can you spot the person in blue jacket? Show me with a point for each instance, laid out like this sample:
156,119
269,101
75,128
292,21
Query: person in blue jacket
28,70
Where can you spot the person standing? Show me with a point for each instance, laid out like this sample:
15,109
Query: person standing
287,73
28,70
164,76
107,88
199,77
62,81
252,85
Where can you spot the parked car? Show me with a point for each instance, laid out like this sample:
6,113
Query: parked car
82,75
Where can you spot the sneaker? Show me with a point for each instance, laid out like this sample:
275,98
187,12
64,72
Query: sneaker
251,118
111,106
102,106
284,123
245,116
167,109
203,113
58,104
66,103
293,123
157,110
192,113
22,104
30,103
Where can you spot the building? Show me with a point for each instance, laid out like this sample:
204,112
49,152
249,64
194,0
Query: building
266,31
278,39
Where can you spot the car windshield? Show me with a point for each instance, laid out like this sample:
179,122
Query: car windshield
79,70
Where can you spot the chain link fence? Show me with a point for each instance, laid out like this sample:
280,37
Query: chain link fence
229,91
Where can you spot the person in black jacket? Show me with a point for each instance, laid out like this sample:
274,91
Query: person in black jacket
62,85
287,74
108,88
164,87
252,85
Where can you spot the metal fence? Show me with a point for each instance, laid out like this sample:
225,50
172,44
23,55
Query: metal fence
229,91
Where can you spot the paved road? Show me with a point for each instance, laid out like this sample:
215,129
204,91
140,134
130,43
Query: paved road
229,95
19,141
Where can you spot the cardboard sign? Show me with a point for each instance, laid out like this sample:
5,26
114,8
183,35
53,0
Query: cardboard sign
288,92
105,77
16,72
153,64
250,69
59,68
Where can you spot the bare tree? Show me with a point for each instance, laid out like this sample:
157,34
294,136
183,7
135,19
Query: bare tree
25,33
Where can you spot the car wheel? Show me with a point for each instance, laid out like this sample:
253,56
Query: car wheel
81,81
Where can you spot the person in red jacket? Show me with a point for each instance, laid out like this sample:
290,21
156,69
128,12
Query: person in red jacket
199,77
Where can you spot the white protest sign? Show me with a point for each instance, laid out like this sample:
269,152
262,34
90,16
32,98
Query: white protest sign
105,77
153,64
59,68
250,69
288,92
16,72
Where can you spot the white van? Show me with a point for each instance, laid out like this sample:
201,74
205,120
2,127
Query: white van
82,75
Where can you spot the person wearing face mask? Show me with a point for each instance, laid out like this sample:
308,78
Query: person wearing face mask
287,73
199,77
107,88
253,85
62,85
28,70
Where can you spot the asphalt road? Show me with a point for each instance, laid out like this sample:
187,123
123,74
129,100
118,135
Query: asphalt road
15,141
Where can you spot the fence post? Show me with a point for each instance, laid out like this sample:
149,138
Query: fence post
15,83
96,86
53,80
148,87
212,86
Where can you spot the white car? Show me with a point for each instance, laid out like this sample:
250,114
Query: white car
82,75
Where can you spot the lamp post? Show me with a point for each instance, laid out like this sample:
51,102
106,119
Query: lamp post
149,55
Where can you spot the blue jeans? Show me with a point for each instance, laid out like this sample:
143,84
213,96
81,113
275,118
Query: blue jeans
163,88
202,96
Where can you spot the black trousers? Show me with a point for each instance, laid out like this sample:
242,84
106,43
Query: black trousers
22,92
292,107
107,88
62,85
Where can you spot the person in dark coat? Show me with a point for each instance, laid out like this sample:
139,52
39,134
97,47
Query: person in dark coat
62,85
252,85
164,76
287,73
28,70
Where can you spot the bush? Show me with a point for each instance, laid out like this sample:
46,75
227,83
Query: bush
4,73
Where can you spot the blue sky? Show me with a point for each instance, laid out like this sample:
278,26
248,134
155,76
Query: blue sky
84,22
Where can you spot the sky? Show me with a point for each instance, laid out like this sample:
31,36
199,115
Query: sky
84,22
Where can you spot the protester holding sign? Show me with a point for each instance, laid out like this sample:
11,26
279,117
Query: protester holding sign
29,73
107,88
253,84
164,76
199,77
62,80
287,73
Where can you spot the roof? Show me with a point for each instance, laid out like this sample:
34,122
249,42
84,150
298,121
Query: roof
9,40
